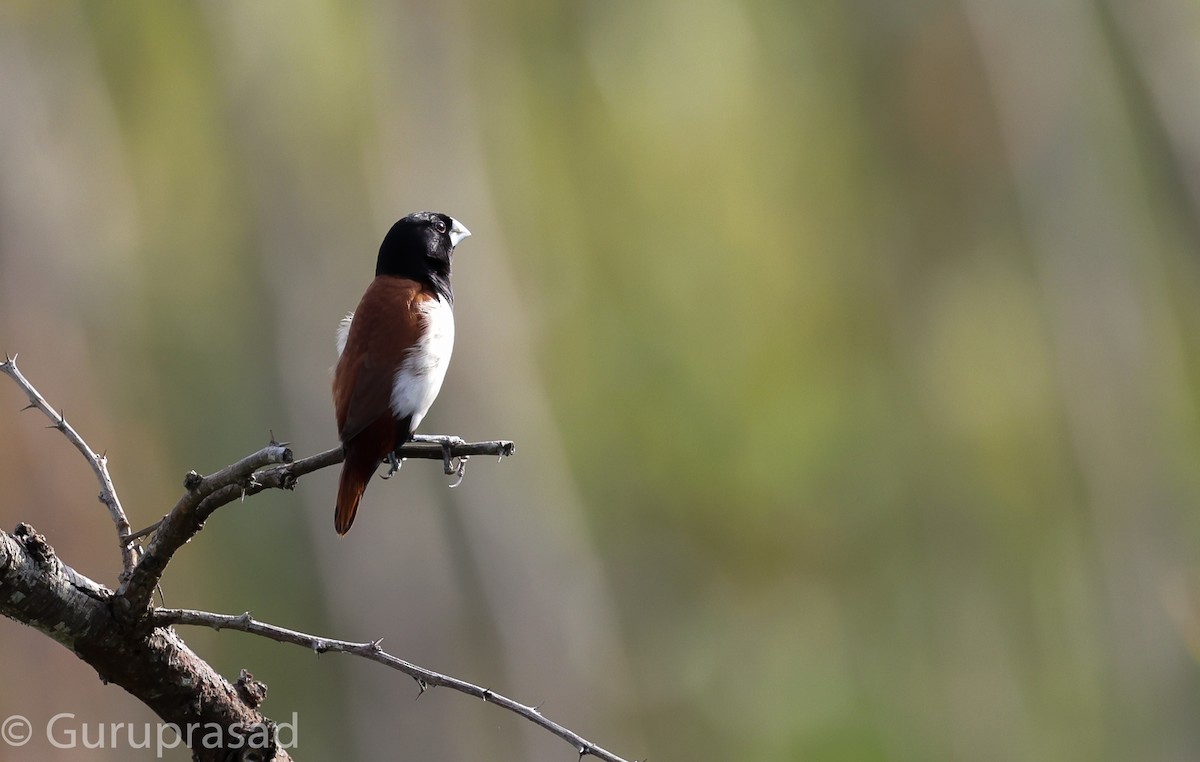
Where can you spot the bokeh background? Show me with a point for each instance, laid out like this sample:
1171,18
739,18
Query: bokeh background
850,350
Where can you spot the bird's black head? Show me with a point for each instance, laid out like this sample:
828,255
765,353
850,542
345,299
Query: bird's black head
419,247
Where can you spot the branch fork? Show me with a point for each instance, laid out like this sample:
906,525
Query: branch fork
132,643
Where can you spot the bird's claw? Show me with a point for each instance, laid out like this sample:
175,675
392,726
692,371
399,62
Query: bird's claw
447,443
461,470
448,466
452,465
394,465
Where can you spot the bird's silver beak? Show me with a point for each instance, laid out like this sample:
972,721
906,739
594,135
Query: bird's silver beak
458,232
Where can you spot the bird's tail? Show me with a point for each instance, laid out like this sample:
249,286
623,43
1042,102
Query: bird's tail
356,473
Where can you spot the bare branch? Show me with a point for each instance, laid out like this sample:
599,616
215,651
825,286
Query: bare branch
272,467
98,461
129,642
371,650
203,496
152,663
426,447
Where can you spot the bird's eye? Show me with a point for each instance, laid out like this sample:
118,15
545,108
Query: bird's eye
439,226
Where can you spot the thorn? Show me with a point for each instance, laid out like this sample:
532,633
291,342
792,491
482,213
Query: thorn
537,708
141,534
487,694
377,645
422,686
30,406
582,751
245,619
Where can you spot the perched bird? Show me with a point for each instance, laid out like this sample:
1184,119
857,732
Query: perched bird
393,351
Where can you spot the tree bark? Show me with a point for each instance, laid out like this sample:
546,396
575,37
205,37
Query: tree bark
152,663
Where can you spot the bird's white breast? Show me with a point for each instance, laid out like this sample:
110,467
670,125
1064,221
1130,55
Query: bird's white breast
420,377
343,332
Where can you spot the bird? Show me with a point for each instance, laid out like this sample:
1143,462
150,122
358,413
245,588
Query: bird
393,351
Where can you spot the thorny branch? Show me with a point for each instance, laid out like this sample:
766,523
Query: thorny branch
272,467
426,678
203,496
97,460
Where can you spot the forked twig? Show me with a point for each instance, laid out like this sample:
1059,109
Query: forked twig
97,460
272,467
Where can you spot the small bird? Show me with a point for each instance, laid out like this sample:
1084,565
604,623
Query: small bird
393,351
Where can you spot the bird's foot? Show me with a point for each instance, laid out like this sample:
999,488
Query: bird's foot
447,443
394,465
452,465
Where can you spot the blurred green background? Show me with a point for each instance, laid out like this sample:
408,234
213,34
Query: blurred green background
850,350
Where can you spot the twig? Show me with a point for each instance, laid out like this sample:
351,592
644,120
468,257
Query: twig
428,448
287,475
272,467
145,531
371,650
98,461
203,496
